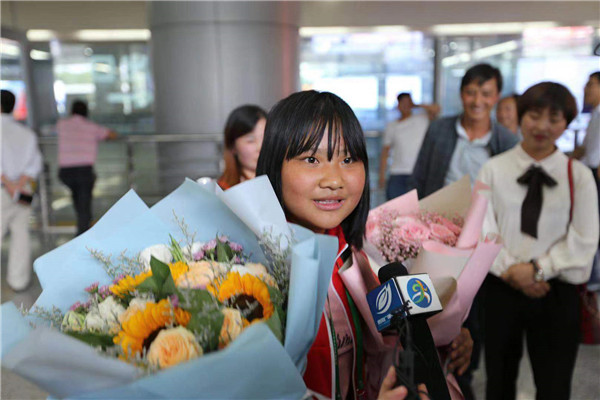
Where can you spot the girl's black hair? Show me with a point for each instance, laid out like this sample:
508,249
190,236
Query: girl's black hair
296,125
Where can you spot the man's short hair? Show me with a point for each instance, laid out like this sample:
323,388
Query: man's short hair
551,95
79,107
595,75
8,101
401,95
481,73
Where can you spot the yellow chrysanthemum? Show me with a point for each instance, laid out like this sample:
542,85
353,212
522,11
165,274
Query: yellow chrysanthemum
140,325
236,289
129,283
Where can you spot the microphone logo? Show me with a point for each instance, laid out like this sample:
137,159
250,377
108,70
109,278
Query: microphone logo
419,292
384,299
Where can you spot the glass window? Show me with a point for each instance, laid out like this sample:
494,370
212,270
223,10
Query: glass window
114,78
560,54
11,76
369,69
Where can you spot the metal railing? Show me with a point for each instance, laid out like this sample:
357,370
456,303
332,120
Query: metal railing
130,162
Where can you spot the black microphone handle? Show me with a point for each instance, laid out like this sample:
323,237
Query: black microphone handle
428,369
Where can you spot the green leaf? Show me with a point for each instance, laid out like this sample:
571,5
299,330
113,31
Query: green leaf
160,270
150,284
209,324
93,339
197,300
176,250
224,252
274,323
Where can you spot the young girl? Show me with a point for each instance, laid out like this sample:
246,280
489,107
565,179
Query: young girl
243,137
546,211
315,156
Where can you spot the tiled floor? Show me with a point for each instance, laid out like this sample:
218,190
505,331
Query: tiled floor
586,381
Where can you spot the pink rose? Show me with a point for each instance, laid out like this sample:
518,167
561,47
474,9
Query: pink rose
443,234
450,225
411,230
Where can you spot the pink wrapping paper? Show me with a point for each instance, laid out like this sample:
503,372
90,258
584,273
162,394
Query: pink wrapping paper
468,263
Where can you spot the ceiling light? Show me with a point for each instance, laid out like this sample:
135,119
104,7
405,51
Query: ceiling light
110,35
489,28
40,35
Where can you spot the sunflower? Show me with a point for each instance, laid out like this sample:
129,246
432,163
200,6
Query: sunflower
245,292
141,327
129,283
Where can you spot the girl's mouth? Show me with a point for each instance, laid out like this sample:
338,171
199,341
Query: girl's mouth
329,204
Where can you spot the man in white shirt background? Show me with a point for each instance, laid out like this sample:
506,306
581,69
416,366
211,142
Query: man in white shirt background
402,140
21,163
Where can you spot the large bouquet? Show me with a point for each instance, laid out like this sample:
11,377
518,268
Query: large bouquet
439,235
214,318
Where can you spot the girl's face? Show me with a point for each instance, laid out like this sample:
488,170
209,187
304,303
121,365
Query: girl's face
247,148
318,193
540,129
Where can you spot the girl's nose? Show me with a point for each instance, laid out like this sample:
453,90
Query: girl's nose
332,177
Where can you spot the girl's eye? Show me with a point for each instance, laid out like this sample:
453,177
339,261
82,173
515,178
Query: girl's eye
348,160
310,160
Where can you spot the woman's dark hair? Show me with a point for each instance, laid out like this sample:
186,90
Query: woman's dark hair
296,125
240,122
550,95
481,73
79,107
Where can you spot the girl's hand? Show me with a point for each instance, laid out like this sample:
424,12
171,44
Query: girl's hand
519,276
462,347
388,392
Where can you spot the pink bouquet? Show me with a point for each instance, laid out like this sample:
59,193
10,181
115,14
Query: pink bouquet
400,237
440,236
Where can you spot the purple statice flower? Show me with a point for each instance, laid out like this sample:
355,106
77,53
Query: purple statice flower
223,239
199,255
76,306
93,288
118,278
235,247
237,260
104,291
210,245
174,300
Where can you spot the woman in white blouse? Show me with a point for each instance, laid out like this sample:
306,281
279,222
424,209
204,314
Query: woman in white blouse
531,288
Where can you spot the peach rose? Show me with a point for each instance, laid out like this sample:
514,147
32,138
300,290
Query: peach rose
233,325
173,346
200,274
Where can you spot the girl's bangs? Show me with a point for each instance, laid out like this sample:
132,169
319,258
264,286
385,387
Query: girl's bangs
311,136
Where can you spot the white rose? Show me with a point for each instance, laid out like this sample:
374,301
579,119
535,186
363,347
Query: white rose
95,322
110,310
73,321
160,251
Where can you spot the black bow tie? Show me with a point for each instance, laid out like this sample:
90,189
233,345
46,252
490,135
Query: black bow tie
535,177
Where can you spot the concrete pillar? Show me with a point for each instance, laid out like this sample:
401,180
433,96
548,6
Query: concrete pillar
210,57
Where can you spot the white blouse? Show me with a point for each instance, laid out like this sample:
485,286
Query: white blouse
562,249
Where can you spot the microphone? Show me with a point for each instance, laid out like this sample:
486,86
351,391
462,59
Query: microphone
413,298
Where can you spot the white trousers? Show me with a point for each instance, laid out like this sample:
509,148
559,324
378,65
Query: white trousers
15,219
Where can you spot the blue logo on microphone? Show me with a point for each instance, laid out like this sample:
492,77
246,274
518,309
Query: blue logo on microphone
419,293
